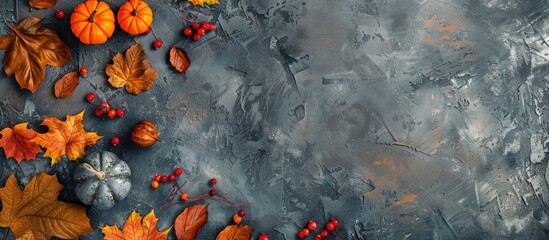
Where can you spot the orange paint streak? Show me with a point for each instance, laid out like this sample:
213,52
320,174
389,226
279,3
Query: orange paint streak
409,198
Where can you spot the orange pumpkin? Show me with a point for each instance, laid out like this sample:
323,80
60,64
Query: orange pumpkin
144,133
135,16
92,22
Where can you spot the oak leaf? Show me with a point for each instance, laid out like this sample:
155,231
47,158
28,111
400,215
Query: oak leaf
188,224
65,138
35,212
66,85
136,228
42,4
133,70
235,232
17,142
179,59
202,2
29,48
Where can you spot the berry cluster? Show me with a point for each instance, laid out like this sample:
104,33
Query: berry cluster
157,179
311,227
105,108
197,30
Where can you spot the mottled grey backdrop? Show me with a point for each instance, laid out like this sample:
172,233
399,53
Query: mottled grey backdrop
405,119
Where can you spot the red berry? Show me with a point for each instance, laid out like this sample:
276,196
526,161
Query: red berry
300,235
187,31
330,226
148,30
212,26
105,105
311,225
120,112
323,233
59,14
178,171
201,31
241,213
111,113
157,43
212,192
318,237
195,25
171,177
213,181
90,97
305,232
263,236
98,112
196,37
206,26
335,222
83,71
163,178
157,177
115,141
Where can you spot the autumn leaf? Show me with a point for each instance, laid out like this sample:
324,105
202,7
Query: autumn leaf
65,138
42,4
66,85
188,224
35,212
136,228
179,59
133,70
29,49
235,232
17,142
202,2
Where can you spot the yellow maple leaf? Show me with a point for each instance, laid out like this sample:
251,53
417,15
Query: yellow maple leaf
65,138
132,70
136,228
35,212
202,2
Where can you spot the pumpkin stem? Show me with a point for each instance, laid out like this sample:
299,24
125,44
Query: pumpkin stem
99,174
92,16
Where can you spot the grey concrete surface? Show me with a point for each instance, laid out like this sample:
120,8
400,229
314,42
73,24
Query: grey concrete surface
405,119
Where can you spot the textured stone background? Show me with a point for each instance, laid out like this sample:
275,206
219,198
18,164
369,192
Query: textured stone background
405,119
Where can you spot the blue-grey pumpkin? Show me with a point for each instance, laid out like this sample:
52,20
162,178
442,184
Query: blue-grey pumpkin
102,180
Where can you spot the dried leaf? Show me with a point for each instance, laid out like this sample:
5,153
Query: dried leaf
17,142
66,85
42,4
29,49
136,228
235,232
179,59
35,212
65,138
202,2
133,70
188,224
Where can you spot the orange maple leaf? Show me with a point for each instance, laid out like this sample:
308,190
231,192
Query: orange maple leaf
202,2
136,228
65,138
35,212
132,70
17,142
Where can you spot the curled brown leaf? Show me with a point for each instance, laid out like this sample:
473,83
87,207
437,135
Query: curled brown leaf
190,221
42,4
179,59
66,85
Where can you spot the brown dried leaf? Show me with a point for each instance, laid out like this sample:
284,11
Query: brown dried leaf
188,224
35,212
66,85
235,232
179,59
132,69
42,4
29,49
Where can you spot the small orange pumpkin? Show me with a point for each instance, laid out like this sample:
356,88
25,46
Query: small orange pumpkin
135,16
144,134
92,22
